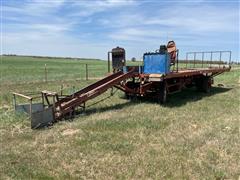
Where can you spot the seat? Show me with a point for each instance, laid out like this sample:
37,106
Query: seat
172,50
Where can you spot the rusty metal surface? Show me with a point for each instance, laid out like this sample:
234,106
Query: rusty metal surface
88,88
118,58
182,77
67,105
194,72
22,95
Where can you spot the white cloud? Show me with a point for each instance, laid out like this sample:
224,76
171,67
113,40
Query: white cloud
34,7
136,34
96,6
41,28
198,19
36,19
182,23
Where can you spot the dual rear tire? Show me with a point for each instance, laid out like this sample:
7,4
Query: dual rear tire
204,84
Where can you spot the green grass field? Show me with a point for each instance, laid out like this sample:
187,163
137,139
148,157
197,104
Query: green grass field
194,136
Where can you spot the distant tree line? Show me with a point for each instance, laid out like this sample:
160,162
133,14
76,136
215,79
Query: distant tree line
50,57
9,55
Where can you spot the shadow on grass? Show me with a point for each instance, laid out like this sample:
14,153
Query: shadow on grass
108,108
188,95
192,95
174,100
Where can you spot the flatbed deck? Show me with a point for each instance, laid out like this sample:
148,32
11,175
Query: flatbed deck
183,72
197,71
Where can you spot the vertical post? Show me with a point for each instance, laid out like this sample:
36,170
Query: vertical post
211,60
30,108
202,58
86,72
54,106
220,59
45,72
186,59
177,60
84,106
43,100
73,89
61,90
230,58
194,59
109,61
14,101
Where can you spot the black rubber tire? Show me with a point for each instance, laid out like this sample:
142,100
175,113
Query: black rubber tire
204,84
131,85
127,96
162,94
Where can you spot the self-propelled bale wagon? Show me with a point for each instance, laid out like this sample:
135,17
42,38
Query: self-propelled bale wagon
160,75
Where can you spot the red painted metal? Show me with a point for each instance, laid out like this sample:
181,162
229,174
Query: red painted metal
175,80
68,104
139,86
148,85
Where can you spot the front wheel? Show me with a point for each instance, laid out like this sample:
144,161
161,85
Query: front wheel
162,94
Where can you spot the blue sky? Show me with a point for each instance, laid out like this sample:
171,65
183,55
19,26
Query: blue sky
90,28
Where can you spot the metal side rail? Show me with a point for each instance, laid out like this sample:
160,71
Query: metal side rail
68,104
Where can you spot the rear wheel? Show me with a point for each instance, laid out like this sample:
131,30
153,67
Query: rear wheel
204,84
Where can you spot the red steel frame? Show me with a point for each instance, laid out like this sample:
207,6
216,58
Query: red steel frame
140,85
120,80
185,76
